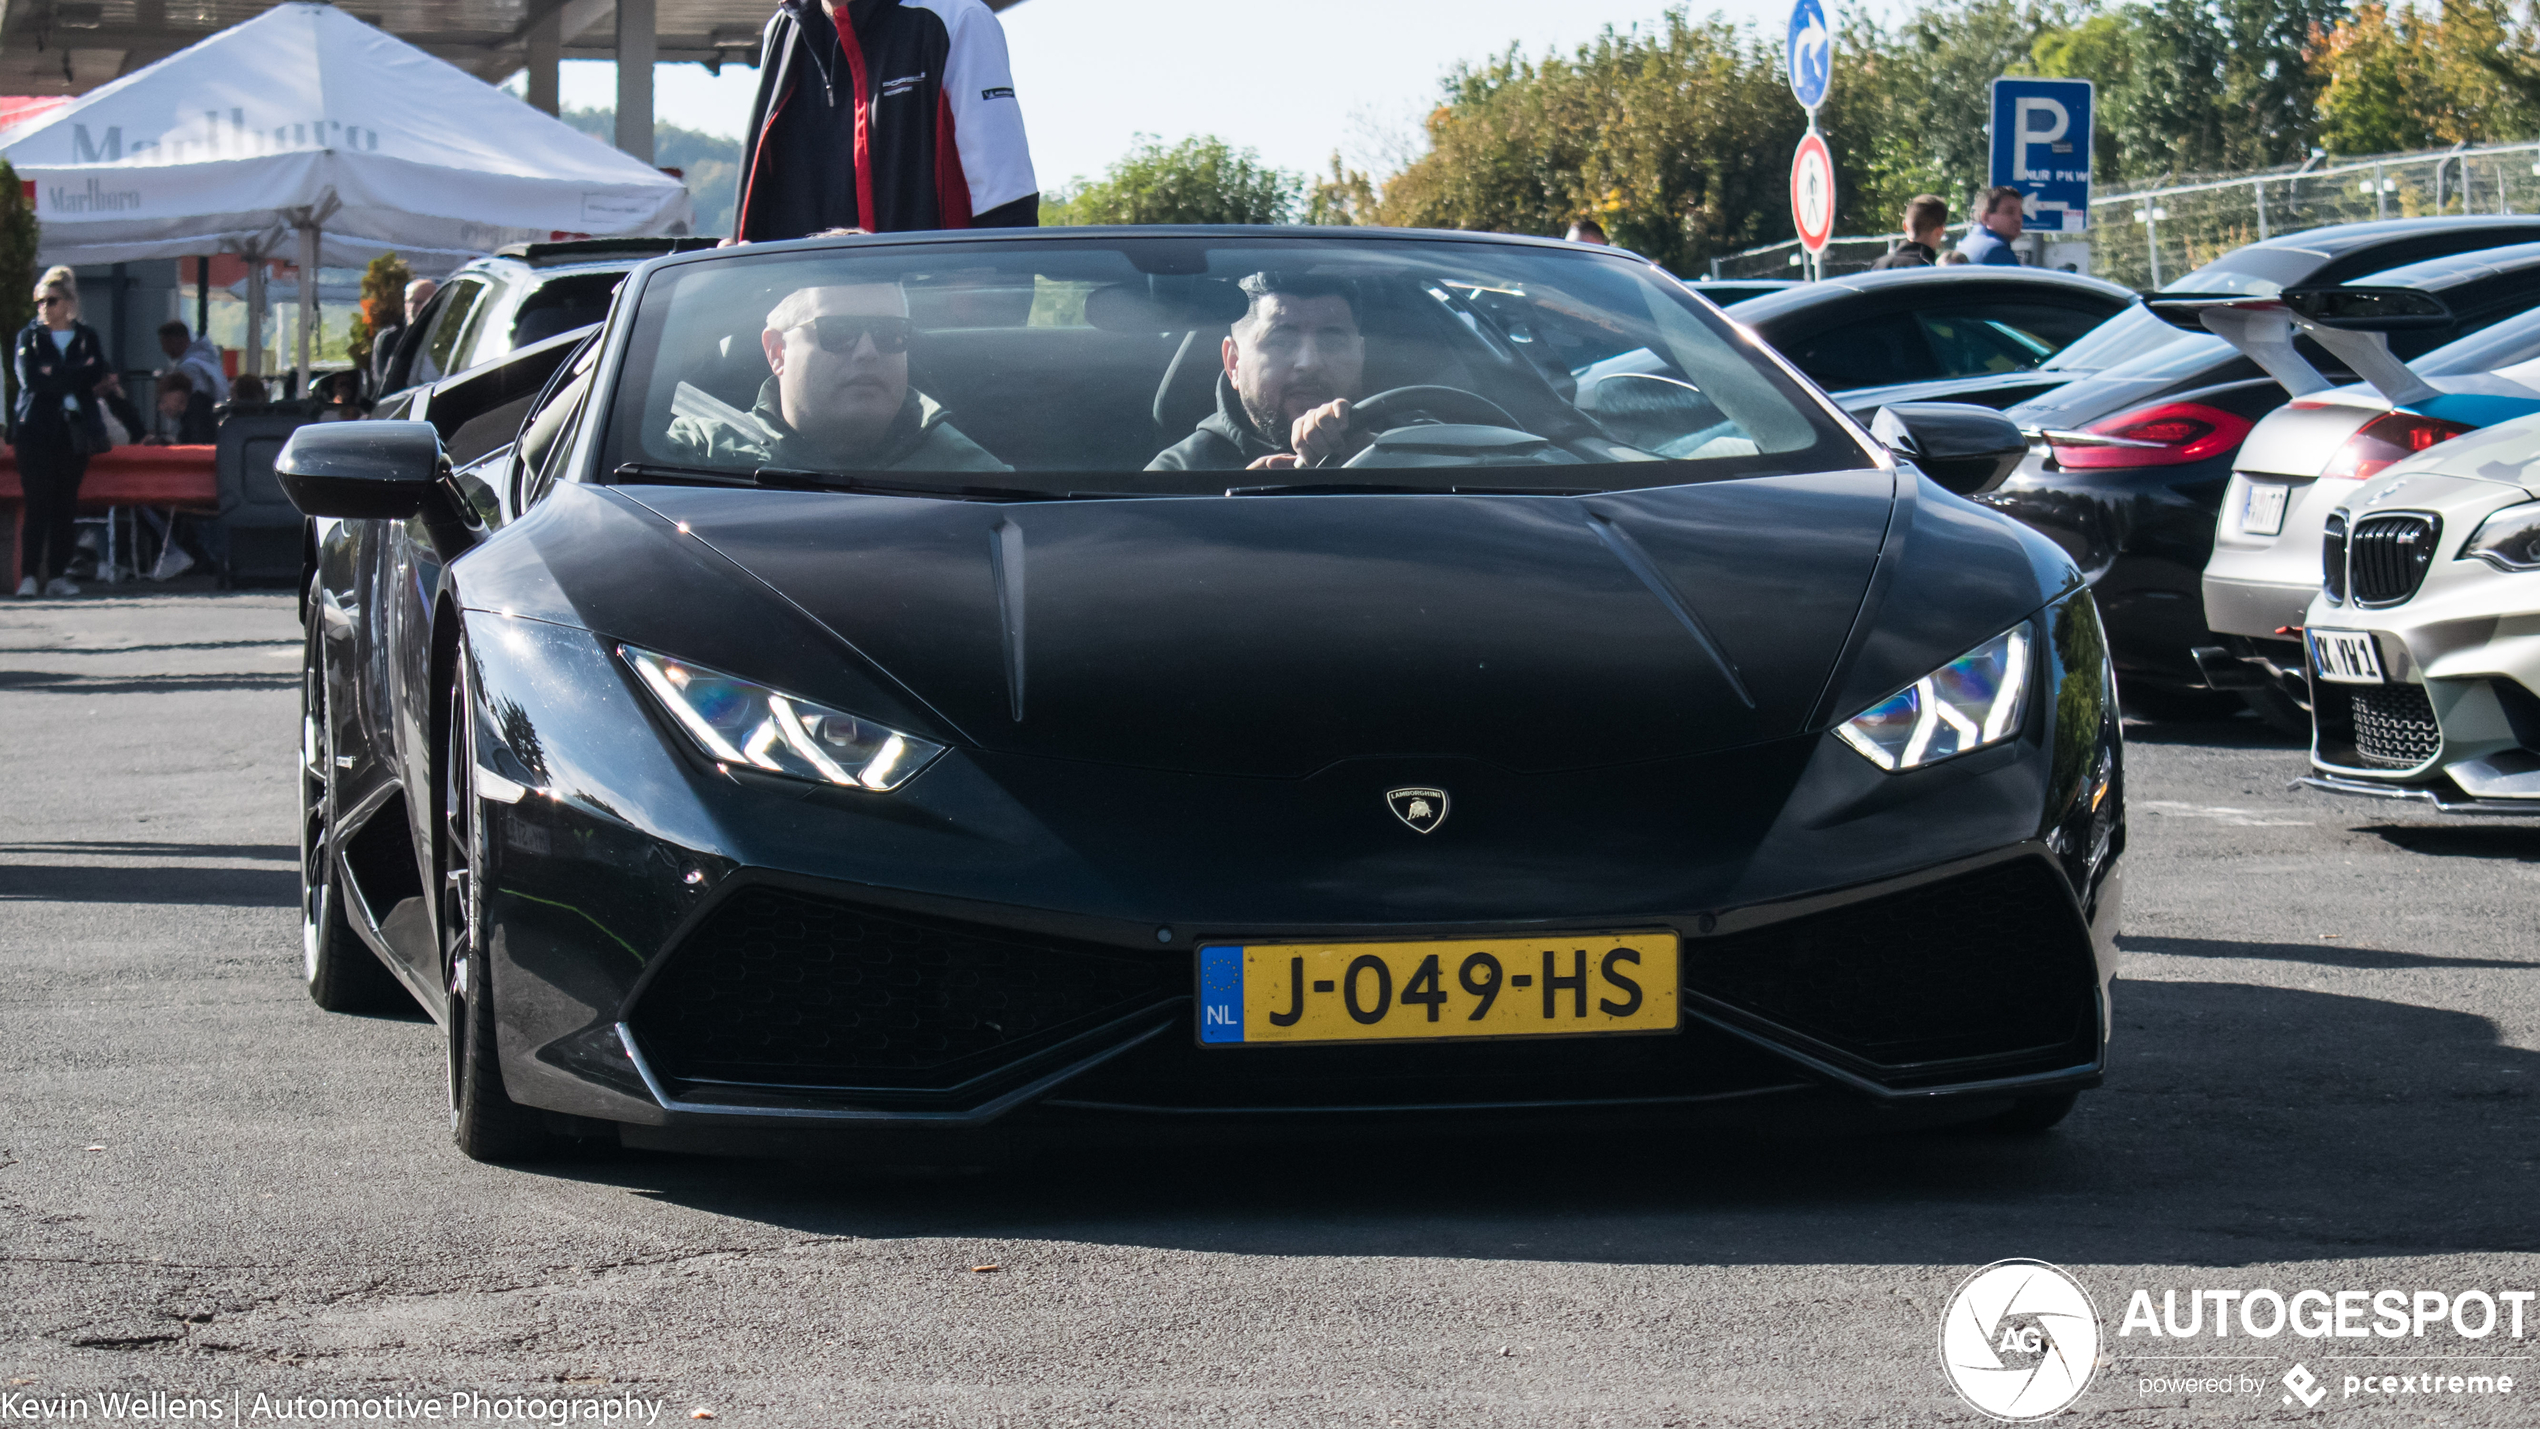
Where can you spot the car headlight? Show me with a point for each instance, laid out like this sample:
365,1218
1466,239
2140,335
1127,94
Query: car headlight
1972,701
2509,539
737,722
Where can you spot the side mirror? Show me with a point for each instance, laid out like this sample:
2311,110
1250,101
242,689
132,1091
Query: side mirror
1966,449
363,471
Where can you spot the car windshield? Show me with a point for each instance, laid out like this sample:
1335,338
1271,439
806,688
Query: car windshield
1183,359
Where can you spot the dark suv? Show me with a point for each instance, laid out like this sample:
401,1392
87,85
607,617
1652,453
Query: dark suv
523,294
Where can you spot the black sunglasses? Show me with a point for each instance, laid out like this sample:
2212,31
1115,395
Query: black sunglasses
840,333
49,300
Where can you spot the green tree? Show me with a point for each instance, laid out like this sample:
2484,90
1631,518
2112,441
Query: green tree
2405,79
18,236
1675,137
1202,179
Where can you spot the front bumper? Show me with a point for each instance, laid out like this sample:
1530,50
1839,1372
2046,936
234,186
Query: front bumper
674,950
2455,725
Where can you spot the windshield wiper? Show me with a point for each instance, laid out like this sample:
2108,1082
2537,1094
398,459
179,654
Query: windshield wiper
789,479
1353,488
678,475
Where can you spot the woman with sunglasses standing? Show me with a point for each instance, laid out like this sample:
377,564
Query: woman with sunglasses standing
56,424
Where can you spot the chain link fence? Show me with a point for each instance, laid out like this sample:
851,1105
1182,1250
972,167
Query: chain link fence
2149,238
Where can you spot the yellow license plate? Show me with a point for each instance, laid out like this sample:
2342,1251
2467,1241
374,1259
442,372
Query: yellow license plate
1566,985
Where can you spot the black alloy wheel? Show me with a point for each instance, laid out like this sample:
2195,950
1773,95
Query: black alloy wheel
485,1122
342,973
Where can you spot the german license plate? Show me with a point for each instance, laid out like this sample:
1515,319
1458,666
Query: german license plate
2346,657
1563,986
2262,508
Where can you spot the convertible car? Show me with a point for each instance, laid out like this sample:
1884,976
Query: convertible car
905,691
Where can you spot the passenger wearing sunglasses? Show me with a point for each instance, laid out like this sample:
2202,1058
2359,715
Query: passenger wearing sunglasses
838,396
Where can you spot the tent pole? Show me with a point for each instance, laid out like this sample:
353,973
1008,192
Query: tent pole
252,362
308,301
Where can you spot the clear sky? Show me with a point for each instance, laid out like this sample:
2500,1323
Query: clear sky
1294,79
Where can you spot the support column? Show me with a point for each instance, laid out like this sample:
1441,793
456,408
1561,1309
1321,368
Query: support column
251,363
636,48
546,50
308,302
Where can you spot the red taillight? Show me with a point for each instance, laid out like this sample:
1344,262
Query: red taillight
2177,433
2390,437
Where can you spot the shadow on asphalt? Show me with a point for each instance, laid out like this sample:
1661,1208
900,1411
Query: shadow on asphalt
2326,953
209,887
2245,732
46,682
2520,842
2239,1124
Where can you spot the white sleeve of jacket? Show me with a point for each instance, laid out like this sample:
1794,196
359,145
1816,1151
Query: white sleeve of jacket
987,119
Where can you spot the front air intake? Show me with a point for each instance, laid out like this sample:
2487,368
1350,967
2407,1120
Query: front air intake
2333,557
777,988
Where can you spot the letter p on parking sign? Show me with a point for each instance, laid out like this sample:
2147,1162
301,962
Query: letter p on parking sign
2041,146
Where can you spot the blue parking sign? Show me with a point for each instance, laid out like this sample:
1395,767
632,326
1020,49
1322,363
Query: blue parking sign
2041,146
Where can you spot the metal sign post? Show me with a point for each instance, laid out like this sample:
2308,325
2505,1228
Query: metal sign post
1808,62
2041,146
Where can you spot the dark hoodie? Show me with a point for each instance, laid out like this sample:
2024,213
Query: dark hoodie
907,120
1226,439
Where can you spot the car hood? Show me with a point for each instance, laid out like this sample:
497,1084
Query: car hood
1272,636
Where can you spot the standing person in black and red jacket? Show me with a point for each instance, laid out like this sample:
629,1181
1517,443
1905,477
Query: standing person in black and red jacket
884,115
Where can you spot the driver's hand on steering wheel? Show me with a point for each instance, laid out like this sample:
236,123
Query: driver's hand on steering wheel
1321,434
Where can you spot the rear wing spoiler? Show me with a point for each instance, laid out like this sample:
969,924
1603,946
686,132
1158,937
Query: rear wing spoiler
2354,323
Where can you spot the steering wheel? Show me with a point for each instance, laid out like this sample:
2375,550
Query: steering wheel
1390,409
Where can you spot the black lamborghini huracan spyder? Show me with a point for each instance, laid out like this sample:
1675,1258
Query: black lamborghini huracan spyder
908,688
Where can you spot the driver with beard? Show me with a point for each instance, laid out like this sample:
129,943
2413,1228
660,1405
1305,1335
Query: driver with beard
1293,362
838,397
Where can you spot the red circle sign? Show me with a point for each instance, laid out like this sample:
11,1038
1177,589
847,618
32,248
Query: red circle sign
1812,192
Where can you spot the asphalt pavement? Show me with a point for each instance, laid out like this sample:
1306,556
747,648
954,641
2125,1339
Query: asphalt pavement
2327,1050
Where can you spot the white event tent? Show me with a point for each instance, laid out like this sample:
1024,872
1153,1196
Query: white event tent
307,123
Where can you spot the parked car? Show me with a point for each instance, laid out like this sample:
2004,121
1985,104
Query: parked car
2308,456
1725,291
1955,334
1639,741
2139,519
521,295
2426,680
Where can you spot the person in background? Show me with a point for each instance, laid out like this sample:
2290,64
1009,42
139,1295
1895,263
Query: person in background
56,422
885,115
248,391
383,347
1926,222
199,360
1991,239
1952,258
1587,230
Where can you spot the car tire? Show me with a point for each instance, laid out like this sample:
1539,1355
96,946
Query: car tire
2278,711
485,1122
2030,1116
342,973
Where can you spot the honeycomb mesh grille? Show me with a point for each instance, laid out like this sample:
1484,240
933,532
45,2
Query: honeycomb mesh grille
779,988
1991,964
2395,727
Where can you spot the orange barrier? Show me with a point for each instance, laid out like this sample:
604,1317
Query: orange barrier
182,477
